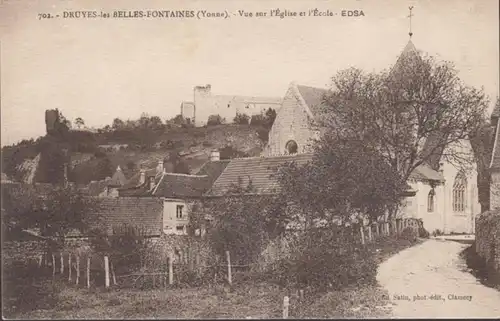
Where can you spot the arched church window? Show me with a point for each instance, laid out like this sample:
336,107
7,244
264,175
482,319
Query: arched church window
291,147
459,192
430,200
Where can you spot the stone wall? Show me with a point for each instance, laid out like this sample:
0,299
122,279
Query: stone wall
488,237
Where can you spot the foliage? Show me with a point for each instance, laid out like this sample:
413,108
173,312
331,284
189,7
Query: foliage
127,246
214,120
332,258
346,179
396,111
241,119
55,214
79,122
229,152
242,223
482,144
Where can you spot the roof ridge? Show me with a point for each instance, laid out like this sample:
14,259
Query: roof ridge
186,175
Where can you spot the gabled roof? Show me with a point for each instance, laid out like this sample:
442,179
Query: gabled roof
432,150
425,173
170,185
213,169
495,155
256,169
313,97
144,213
181,186
135,180
260,170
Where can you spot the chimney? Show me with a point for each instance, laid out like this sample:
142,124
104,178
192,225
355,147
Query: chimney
151,182
159,168
142,178
214,155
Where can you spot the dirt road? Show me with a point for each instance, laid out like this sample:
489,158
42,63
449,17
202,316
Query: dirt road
430,280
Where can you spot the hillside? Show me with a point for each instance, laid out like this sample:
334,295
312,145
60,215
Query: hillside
94,156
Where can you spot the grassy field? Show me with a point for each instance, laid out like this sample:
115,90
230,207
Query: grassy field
247,298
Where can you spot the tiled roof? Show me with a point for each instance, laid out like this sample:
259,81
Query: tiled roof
313,97
182,186
256,169
495,158
425,172
432,151
259,171
213,169
143,212
135,179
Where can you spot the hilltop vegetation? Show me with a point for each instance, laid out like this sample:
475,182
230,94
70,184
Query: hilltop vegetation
133,144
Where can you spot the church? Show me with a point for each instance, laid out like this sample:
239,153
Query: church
445,197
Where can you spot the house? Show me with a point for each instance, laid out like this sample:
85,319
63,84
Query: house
227,106
107,187
445,197
178,193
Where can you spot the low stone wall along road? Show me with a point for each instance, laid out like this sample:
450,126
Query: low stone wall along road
431,281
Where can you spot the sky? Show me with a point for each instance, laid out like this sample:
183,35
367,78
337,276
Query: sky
100,69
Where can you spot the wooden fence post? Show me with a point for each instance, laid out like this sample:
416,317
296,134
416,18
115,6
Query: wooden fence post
362,234
113,273
170,268
53,265
88,271
286,303
62,263
370,236
106,271
77,268
229,277
377,226
301,292
69,267
40,260
198,268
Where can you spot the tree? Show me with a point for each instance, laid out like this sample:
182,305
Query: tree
242,224
55,214
346,180
214,120
103,168
118,124
397,111
79,123
241,119
270,116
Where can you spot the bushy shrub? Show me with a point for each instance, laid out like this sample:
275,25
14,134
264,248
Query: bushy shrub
258,120
263,134
26,287
330,259
409,234
437,232
214,120
423,233
241,119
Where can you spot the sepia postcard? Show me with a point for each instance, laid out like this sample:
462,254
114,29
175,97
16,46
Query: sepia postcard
250,159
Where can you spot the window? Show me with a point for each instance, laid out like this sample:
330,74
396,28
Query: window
291,147
430,200
180,228
179,209
459,191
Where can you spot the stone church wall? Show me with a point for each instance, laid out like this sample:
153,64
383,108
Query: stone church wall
291,123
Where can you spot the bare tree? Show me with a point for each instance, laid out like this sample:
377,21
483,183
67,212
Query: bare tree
413,114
